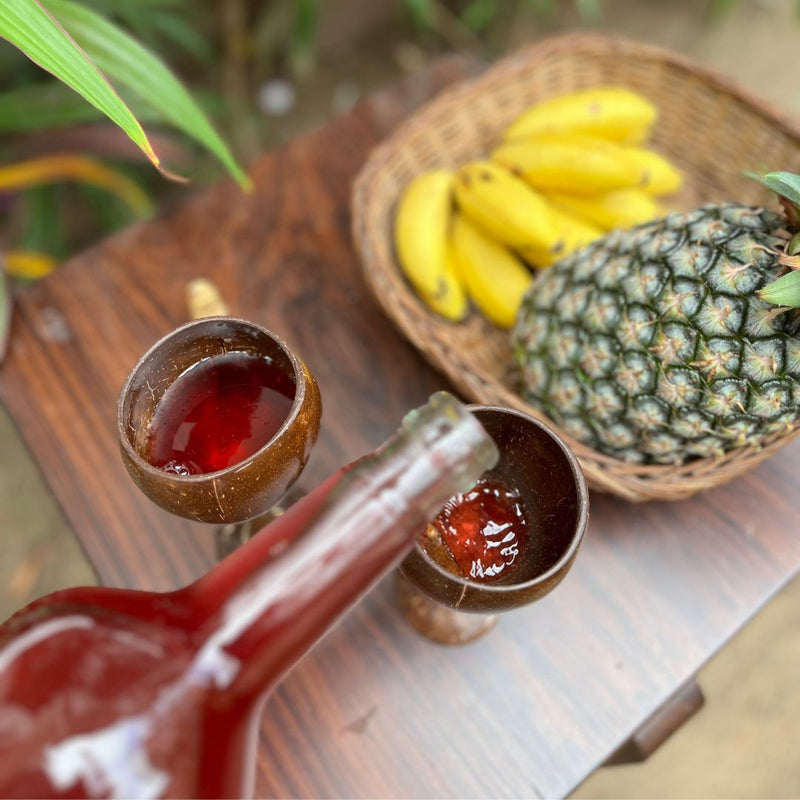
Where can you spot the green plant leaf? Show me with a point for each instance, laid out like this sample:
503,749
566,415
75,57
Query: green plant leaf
111,214
31,28
720,8
785,184
126,61
304,34
40,106
785,291
174,29
589,10
479,14
544,8
162,22
43,105
43,227
422,13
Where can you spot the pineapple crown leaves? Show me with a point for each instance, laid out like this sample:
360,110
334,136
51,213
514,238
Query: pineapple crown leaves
785,291
787,186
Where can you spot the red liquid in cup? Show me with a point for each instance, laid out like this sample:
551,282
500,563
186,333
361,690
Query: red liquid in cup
219,412
484,530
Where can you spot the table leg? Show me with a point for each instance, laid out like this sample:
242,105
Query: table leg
649,736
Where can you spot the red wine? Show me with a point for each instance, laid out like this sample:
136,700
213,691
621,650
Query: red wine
484,530
218,412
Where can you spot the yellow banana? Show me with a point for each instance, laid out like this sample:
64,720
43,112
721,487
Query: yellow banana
622,208
573,233
575,165
495,278
504,206
422,227
658,175
610,112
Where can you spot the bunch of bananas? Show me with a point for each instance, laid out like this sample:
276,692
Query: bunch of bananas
568,170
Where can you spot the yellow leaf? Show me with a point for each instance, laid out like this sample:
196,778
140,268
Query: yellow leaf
57,168
28,264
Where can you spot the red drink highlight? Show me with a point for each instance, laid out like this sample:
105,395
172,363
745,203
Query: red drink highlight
219,412
484,530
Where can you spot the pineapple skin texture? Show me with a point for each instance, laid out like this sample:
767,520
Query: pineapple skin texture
650,345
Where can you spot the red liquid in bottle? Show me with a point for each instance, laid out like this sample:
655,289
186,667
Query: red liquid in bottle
109,692
114,693
484,530
218,412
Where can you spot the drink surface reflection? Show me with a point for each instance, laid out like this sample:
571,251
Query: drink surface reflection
480,534
220,411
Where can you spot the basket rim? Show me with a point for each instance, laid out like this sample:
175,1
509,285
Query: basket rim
635,482
574,42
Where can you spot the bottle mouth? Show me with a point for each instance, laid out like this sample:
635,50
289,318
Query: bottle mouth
450,438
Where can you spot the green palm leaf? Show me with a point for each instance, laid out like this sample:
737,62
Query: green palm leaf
31,28
49,104
121,57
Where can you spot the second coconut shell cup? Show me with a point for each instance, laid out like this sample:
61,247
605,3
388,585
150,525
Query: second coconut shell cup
452,608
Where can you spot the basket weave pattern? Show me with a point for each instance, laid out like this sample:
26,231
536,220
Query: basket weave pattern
707,126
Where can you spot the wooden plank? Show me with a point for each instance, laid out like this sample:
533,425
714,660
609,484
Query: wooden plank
375,711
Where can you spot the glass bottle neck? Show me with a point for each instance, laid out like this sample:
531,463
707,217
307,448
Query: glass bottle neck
277,595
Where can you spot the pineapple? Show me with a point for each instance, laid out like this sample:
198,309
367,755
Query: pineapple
655,345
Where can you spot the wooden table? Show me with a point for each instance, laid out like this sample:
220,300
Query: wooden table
374,710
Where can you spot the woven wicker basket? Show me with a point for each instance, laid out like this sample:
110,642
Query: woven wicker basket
707,126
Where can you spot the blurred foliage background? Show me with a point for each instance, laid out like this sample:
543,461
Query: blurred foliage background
250,64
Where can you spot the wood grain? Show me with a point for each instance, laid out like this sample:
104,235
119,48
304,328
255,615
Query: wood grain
373,710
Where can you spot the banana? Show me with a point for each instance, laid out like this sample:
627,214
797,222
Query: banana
495,278
573,233
622,208
421,233
504,206
658,175
574,165
609,112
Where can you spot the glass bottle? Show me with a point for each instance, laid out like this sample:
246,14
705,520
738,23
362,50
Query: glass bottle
108,692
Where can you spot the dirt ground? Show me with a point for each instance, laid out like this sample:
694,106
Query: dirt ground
745,742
